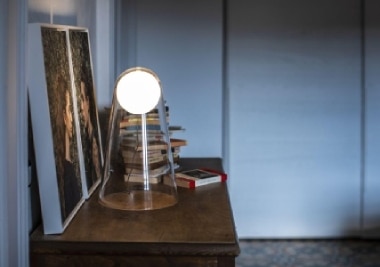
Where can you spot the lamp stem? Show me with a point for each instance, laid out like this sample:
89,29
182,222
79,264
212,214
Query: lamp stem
145,151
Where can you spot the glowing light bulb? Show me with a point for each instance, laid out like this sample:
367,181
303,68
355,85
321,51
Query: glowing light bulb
138,91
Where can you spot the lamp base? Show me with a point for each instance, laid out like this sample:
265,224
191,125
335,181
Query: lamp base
138,200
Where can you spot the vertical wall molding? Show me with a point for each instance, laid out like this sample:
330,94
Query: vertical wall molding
16,136
3,137
225,93
363,113
371,87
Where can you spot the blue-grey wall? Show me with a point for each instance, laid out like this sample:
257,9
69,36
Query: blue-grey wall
182,42
299,100
294,117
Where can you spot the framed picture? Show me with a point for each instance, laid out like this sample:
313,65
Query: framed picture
62,134
87,107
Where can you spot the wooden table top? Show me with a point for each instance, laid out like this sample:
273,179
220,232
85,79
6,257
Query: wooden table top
200,223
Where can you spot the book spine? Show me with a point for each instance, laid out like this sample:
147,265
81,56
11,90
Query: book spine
138,127
183,182
222,174
190,183
201,182
151,160
189,177
140,179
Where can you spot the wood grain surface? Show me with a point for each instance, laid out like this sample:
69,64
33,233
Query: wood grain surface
198,231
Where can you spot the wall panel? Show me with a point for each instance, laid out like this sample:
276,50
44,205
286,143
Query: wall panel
295,117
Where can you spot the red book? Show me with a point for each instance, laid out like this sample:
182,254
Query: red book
199,177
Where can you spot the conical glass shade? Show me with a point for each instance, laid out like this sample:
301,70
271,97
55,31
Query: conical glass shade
139,166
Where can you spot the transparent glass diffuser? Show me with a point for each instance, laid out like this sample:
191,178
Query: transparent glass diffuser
139,166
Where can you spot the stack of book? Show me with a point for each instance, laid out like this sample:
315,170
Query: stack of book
157,150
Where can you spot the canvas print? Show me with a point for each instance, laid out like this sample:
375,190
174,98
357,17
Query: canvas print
55,126
60,98
87,107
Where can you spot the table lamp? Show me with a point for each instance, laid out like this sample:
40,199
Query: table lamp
139,166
